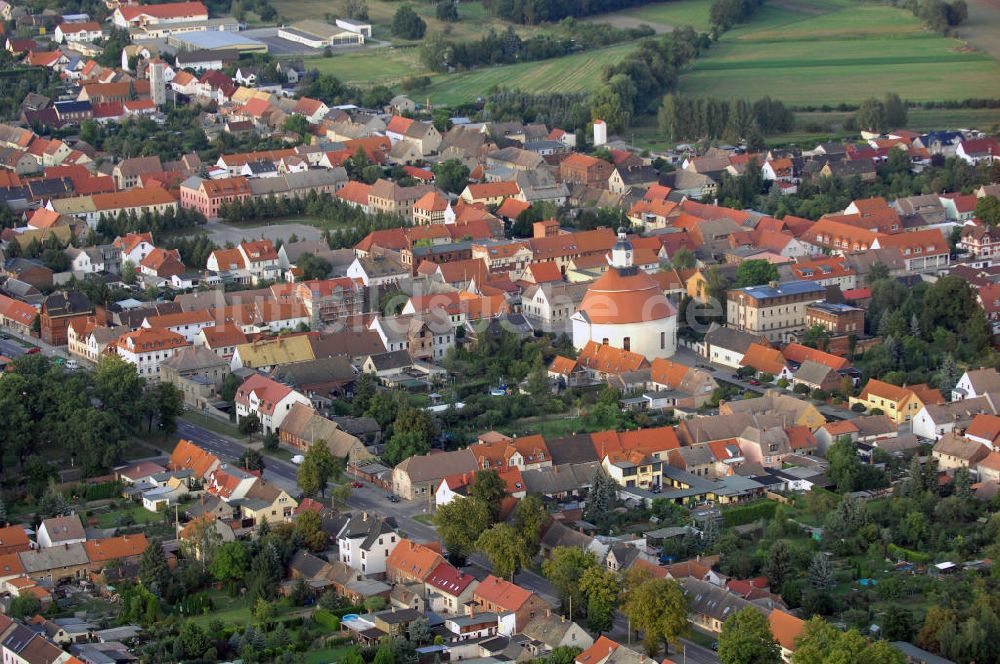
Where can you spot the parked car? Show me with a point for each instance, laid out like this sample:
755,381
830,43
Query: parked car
298,459
33,350
392,498
357,485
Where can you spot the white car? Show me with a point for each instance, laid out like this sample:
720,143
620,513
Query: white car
72,365
298,459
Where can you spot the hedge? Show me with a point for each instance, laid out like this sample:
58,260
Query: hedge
324,618
908,554
738,516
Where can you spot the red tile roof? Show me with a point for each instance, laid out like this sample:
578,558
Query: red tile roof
504,594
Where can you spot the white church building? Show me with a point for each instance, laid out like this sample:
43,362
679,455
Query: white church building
626,308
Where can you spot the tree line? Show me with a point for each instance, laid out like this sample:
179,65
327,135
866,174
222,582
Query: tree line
531,12
733,121
122,223
636,84
441,55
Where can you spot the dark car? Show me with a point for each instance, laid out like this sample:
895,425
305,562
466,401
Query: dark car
392,498
33,350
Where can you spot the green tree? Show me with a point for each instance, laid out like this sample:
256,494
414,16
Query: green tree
318,468
871,116
230,562
779,564
895,111
491,489
755,272
309,528
683,259
505,549
153,570
451,175
897,624
988,210
313,267
601,587
414,432
602,498
24,606
530,516
657,608
459,524
249,425
407,24
128,273
252,460
297,124
193,639
822,643
746,638
564,568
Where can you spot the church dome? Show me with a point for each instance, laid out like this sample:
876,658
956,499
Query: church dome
625,295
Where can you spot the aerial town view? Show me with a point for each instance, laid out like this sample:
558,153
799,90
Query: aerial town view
500,331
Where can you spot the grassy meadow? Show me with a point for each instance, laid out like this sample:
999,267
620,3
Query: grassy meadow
829,51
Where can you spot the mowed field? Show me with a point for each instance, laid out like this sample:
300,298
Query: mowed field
388,66
831,51
662,16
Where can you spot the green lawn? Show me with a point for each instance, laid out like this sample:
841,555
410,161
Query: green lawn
129,514
327,655
375,66
551,428
846,54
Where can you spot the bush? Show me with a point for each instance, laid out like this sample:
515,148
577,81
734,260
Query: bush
858,408
766,377
801,388
782,383
446,11
818,395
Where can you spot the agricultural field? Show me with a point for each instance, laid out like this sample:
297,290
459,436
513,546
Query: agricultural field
370,67
828,52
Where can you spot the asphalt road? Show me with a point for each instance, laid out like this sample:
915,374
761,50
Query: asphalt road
277,471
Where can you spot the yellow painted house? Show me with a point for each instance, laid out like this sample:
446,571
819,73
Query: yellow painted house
900,404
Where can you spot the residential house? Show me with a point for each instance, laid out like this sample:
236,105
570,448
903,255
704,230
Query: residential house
953,451
269,400
146,349
900,404
366,542
417,477
411,562
500,596
60,530
449,589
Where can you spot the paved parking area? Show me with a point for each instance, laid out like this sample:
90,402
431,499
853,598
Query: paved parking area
221,233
